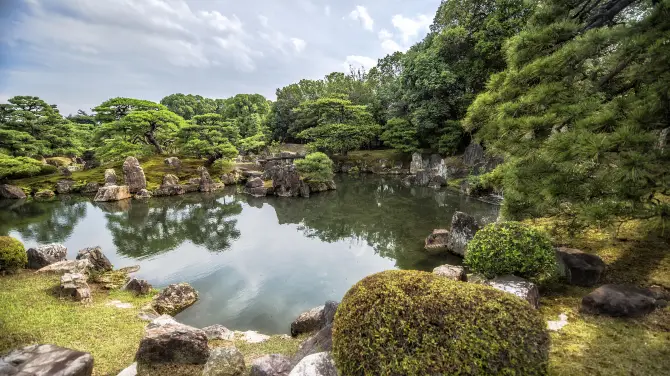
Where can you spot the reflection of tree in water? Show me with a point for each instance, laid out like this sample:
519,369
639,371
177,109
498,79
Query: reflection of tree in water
41,221
391,218
163,223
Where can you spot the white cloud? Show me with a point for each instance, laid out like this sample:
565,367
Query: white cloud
390,46
263,20
385,34
326,10
361,14
298,44
410,27
358,61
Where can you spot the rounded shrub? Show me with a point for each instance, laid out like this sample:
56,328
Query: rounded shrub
316,167
415,323
12,255
512,248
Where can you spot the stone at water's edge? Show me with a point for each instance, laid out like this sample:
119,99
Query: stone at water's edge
321,341
46,193
309,321
619,301
11,192
110,177
113,193
75,285
320,364
172,343
219,332
417,163
287,182
437,241
206,183
579,268
254,183
174,299
230,178
99,262
143,194
225,361
64,186
463,229
90,188
68,266
251,336
329,310
138,286
133,175
453,272
271,365
46,360
45,255
520,287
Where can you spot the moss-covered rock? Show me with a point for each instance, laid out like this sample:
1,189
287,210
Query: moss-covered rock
512,248
12,255
415,323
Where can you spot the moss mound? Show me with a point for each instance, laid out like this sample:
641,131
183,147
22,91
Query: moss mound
414,323
12,255
512,248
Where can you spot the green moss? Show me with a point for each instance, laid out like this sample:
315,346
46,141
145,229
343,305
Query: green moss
415,323
512,248
59,161
12,255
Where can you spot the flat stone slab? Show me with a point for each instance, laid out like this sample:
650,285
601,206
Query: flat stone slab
518,286
579,268
453,272
619,301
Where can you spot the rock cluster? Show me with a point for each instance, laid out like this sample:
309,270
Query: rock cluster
99,262
75,286
45,255
174,299
46,360
455,240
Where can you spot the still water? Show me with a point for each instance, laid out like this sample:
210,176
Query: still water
256,262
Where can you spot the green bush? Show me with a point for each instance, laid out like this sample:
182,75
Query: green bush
223,166
415,323
316,167
59,161
12,255
512,248
22,167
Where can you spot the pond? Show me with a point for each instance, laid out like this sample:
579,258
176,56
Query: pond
256,262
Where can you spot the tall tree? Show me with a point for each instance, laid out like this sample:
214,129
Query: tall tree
209,136
188,106
116,108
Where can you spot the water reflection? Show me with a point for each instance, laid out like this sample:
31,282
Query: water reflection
42,221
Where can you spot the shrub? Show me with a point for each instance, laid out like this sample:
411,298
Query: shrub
22,167
223,166
316,167
512,248
415,323
12,254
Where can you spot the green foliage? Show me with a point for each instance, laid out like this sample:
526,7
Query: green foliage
315,167
401,135
512,248
188,106
12,255
253,144
340,138
117,108
415,323
223,166
117,149
209,136
22,167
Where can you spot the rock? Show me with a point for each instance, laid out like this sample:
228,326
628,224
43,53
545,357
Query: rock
68,266
99,262
205,180
251,336
287,182
113,193
417,163
320,364
453,272
473,155
173,162
476,278
437,241
309,321
219,332
579,268
45,255
111,280
170,187
271,365
329,310
174,299
663,139
11,192
230,178
254,183
520,287
64,186
225,361
320,342
249,174
143,194
65,171
257,192
45,193
75,285
161,321
90,188
110,177
172,343
619,301
47,360
555,326
133,175
130,371
138,286
321,186
463,229
147,313
422,178
437,182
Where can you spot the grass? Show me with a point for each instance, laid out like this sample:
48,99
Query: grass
275,345
372,156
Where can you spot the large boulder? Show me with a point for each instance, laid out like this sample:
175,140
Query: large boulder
11,192
320,364
287,182
518,286
46,360
437,241
319,342
68,266
170,187
309,321
473,155
257,192
138,286
579,268
254,183
417,163
172,344
64,186
113,193
225,361
99,262
110,177
619,301
45,255
206,183
271,365
75,286
329,310
453,272
219,332
230,178
321,186
463,229
143,194
90,188
133,175
174,299
173,162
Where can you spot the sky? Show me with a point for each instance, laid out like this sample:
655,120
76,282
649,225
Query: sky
78,53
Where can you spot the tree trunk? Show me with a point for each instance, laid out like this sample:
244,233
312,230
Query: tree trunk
152,140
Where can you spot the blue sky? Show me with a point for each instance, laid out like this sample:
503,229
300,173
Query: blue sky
78,53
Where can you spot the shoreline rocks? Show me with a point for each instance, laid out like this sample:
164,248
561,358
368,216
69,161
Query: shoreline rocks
463,229
172,343
174,299
225,361
45,255
11,192
518,286
112,193
453,272
99,262
45,360
133,175
271,365
309,321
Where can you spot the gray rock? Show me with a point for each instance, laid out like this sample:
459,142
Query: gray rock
473,155
230,178
172,343
463,229
170,187
437,241
417,163
131,370
329,310
219,332
138,286
520,287
66,171
68,266
99,262
453,272
113,193
619,301
422,178
47,360
320,342
45,255
206,183
45,193
174,299
133,175
320,364
579,268
254,183
11,192
110,177
286,182
143,194
437,181
173,162
225,361
90,188
257,192
75,286
309,321
64,186
321,186
271,365
160,321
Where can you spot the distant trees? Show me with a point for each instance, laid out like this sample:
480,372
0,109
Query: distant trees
209,136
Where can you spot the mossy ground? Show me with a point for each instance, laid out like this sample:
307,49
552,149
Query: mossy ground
372,156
